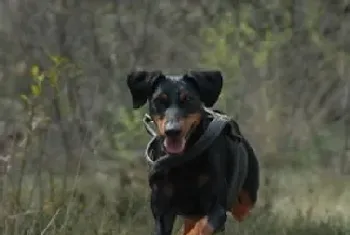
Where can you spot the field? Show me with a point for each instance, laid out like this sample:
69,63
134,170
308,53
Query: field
71,145
290,202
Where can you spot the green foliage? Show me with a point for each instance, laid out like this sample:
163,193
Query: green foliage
233,39
36,86
234,44
39,77
130,133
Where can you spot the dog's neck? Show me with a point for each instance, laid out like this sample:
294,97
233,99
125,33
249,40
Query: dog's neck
198,132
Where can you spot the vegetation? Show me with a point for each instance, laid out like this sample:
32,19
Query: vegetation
71,147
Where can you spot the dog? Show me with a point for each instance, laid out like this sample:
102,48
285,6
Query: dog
201,189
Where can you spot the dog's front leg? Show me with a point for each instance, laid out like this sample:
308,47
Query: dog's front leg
163,214
210,224
216,217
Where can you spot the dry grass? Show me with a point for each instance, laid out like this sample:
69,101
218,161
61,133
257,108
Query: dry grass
317,195
291,202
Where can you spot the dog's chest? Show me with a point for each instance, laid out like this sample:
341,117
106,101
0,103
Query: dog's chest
190,185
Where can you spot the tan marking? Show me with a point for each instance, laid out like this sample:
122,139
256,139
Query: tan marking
186,123
189,122
188,226
160,123
242,208
202,227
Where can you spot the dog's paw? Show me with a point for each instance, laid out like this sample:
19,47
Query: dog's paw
202,227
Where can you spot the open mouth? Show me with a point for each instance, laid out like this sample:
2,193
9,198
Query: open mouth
174,145
177,145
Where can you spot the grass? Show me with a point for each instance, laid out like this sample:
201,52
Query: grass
291,202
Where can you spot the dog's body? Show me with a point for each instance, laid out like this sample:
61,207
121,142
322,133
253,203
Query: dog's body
205,188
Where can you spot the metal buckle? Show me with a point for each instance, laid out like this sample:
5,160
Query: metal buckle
146,121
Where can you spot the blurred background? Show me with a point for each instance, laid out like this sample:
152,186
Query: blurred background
71,147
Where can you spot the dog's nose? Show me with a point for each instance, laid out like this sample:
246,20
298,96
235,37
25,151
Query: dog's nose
172,129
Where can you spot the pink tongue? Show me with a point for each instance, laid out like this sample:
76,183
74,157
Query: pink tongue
174,145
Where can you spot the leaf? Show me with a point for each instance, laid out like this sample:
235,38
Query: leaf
40,78
53,80
55,59
52,76
24,97
35,71
247,30
35,89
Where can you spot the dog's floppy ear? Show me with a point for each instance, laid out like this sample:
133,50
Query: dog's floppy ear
209,84
140,84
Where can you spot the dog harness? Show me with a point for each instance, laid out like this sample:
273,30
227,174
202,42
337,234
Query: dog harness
219,124
215,128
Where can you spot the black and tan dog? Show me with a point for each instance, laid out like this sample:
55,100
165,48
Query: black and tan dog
203,189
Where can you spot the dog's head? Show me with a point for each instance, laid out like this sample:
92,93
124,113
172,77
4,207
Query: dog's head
175,102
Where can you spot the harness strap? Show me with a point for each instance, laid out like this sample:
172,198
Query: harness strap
239,173
212,132
215,128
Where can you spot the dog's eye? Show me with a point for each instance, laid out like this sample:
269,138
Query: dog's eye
184,97
162,98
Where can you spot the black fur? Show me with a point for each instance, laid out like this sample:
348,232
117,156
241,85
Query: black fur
199,187
140,85
209,85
